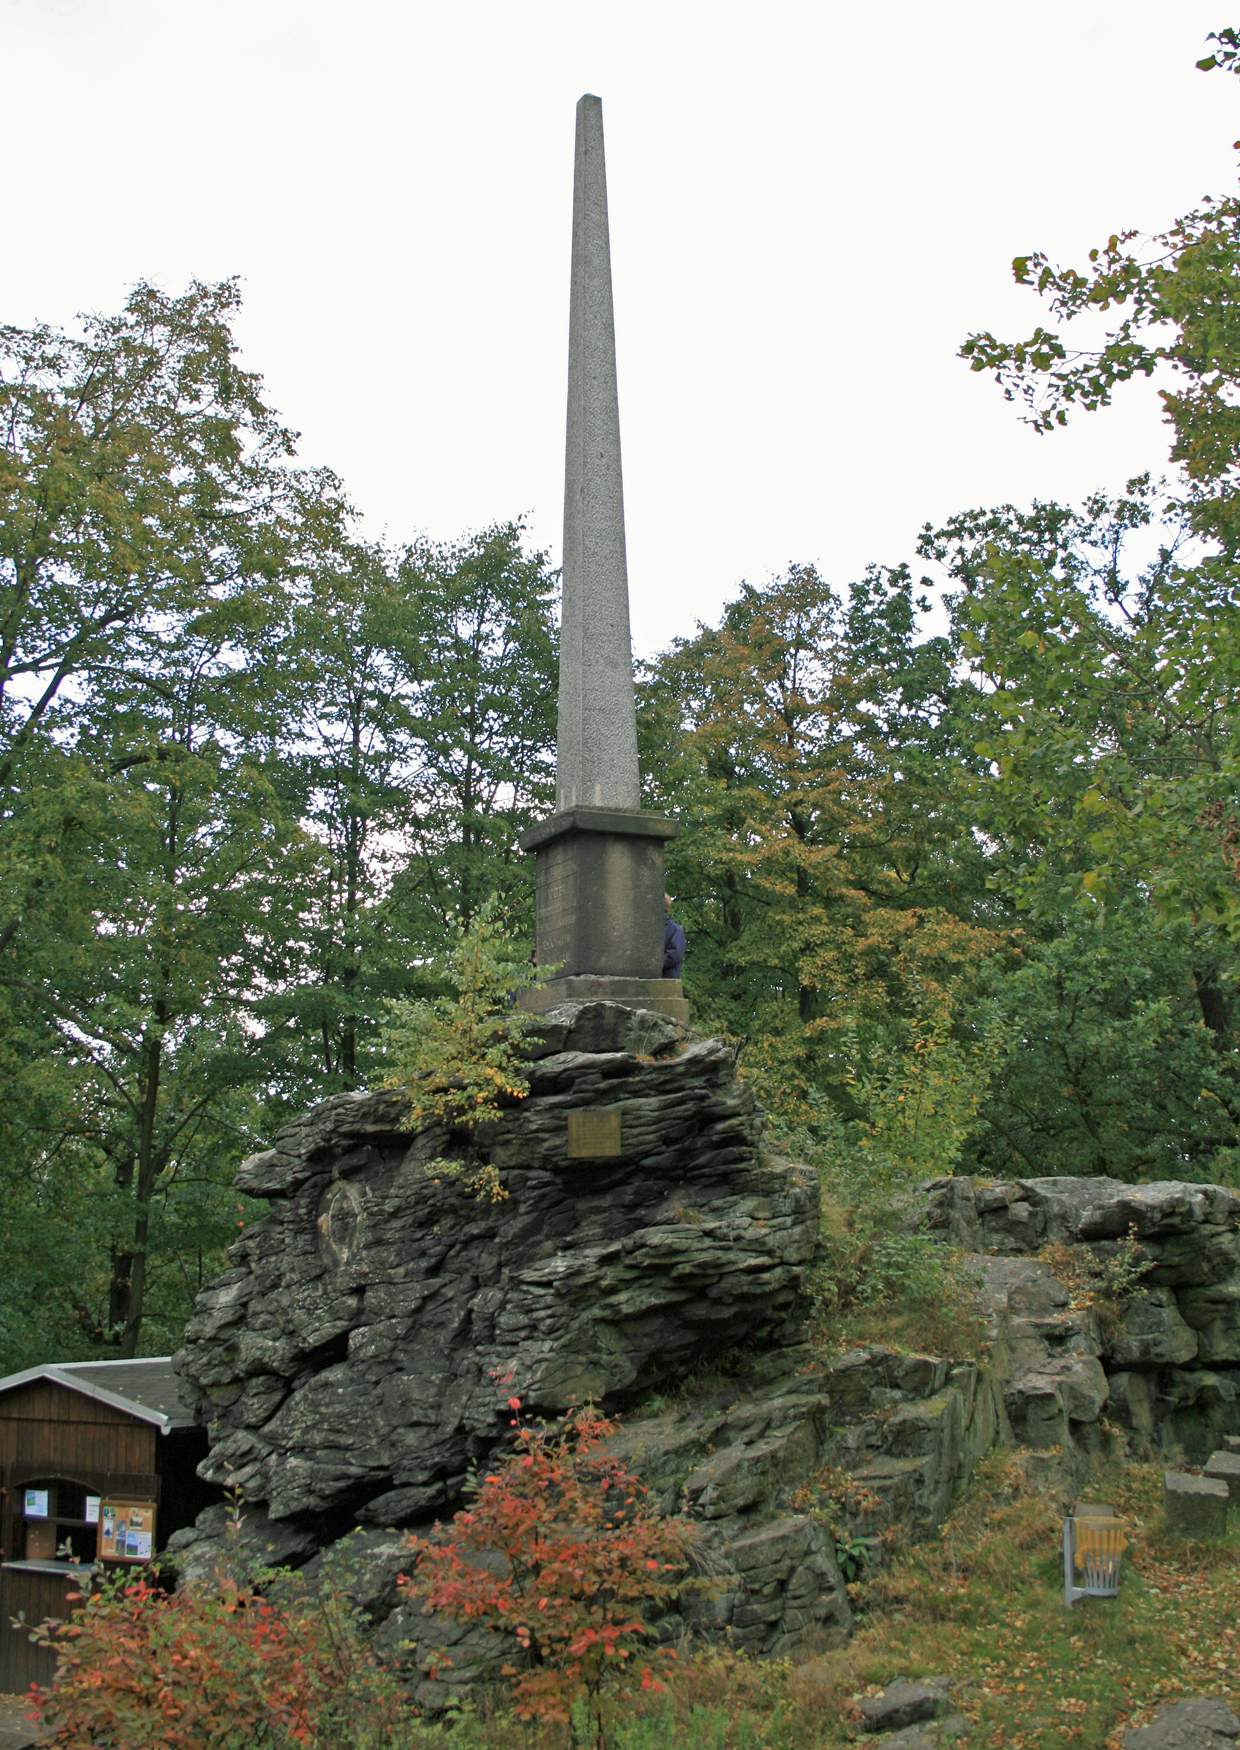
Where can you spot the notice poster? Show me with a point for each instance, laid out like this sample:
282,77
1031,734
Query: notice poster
36,1503
126,1531
92,1509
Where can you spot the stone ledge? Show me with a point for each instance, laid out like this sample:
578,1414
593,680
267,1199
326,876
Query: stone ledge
626,822
663,996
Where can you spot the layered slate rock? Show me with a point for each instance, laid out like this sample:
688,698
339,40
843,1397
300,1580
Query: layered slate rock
744,1451
1163,1363
356,1358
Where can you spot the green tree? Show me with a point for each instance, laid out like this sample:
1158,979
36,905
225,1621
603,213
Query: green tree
1108,1066
1170,310
1105,649
352,740
149,857
137,473
1104,716
831,896
484,673
459,1059
1161,642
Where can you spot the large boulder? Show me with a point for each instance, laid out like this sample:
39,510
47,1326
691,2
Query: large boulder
357,1357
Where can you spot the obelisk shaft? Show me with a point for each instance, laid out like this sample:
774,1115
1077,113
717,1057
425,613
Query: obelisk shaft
597,752
598,869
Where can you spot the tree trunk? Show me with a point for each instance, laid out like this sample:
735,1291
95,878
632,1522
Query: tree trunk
127,1290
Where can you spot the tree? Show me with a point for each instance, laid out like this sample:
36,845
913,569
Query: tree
425,684
149,854
1168,643
1106,699
1106,740
352,741
819,864
1106,650
1108,1066
1174,303
483,664
459,1059
137,476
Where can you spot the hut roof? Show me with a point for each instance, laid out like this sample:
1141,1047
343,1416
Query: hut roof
148,1388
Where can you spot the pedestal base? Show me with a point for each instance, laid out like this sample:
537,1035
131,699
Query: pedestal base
598,893
664,995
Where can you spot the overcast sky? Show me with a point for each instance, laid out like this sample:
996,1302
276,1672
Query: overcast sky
811,206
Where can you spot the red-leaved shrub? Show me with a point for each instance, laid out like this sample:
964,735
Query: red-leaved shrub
561,1551
221,1665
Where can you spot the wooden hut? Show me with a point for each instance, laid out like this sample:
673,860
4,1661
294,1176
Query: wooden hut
98,1461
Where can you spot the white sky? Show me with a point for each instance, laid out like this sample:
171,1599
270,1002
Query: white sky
811,206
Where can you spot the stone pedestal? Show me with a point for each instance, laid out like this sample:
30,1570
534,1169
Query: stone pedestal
665,996
598,881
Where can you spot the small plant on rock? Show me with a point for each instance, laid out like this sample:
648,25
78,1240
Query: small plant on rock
1101,1282
458,1058
560,1552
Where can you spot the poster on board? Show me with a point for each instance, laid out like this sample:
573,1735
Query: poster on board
126,1531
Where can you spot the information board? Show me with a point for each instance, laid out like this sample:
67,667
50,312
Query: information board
126,1531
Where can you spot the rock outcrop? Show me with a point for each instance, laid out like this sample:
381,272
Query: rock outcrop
1159,1360
352,1361
355,1361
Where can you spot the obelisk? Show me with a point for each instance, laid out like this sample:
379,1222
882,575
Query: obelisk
599,859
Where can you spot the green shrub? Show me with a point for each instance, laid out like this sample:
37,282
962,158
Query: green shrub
912,1118
458,1059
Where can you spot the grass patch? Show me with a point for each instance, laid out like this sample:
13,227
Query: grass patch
983,1604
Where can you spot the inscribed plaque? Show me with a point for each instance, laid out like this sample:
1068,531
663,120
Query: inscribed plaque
594,1135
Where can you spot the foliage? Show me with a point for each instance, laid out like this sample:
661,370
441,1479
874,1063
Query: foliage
1173,304
139,1668
1105,648
915,1115
1107,1065
422,688
149,507
459,1058
1102,1278
561,1554
983,1603
1106,703
484,667
826,888
248,767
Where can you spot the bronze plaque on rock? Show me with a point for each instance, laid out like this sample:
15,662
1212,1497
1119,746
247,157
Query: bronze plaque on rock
594,1135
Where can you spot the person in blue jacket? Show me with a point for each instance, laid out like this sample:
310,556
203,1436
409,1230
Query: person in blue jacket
673,941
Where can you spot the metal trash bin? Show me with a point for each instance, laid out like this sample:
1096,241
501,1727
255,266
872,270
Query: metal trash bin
1094,1542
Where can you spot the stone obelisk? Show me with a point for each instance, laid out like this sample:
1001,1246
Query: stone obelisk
599,859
